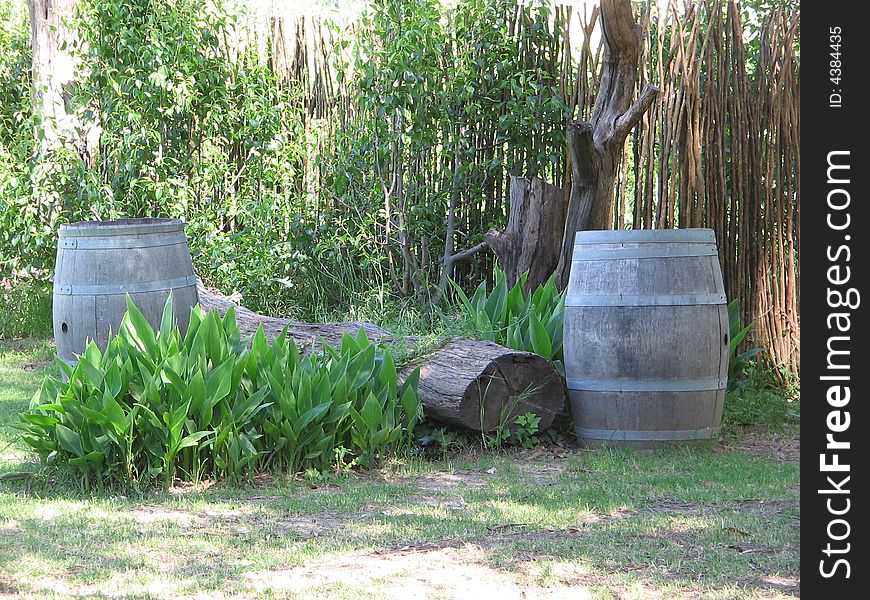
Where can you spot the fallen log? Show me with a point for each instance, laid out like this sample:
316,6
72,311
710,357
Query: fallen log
481,385
306,334
469,383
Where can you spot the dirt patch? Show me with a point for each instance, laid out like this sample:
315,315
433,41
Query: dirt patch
409,573
787,585
35,365
669,506
149,515
542,464
450,482
782,447
8,588
19,344
228,521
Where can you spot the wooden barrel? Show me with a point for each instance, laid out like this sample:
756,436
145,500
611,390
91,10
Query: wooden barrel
646,337
100,262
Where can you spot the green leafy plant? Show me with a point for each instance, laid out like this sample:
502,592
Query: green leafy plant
738,363
510,427
441,438
162,405
515,318
527,429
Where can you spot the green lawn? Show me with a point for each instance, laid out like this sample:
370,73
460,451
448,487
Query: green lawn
717,522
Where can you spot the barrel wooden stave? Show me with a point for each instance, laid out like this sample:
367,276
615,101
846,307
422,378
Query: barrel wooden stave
646,338
98,264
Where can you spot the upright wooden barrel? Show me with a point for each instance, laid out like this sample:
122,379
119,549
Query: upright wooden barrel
100,262
646,337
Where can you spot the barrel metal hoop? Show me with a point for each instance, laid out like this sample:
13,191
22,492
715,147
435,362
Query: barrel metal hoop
621,435
644,300
123,227
647,385
648,252
122,243
645,235
125,288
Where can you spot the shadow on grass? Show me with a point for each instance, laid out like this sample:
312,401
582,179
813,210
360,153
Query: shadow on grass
682,519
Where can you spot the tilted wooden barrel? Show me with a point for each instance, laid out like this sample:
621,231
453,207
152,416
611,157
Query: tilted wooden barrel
646,337
99,262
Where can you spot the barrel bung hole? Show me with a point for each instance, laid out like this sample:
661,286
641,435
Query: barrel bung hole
64,327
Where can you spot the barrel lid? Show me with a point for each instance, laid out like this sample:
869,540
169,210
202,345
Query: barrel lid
120,227
688,235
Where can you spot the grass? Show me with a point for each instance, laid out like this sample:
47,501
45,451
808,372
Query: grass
712,522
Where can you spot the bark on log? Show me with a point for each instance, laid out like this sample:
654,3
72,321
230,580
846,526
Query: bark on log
480,385
532,239
453,379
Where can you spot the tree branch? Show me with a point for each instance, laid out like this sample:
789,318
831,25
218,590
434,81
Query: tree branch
469,252
629,118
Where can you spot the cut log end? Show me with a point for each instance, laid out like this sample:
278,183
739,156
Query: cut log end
482,386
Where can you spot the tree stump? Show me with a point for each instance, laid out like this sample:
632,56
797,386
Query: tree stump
532,239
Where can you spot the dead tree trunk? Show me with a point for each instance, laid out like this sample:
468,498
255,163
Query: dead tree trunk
54,68
467,383
532,239
595,146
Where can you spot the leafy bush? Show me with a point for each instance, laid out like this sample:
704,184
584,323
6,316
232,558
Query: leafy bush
162,405
515,318
754,406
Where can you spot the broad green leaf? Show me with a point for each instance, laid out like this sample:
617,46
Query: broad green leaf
311,415
69,440
193,439
217,382
91,374
361,339
411,406
411,381
138,330
495,304
349,345
478,300
114,412
371,413
540,340
484,326
168,319
230,327
466,303
515,299
196,392
65,369
361,368
92,355
259,345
